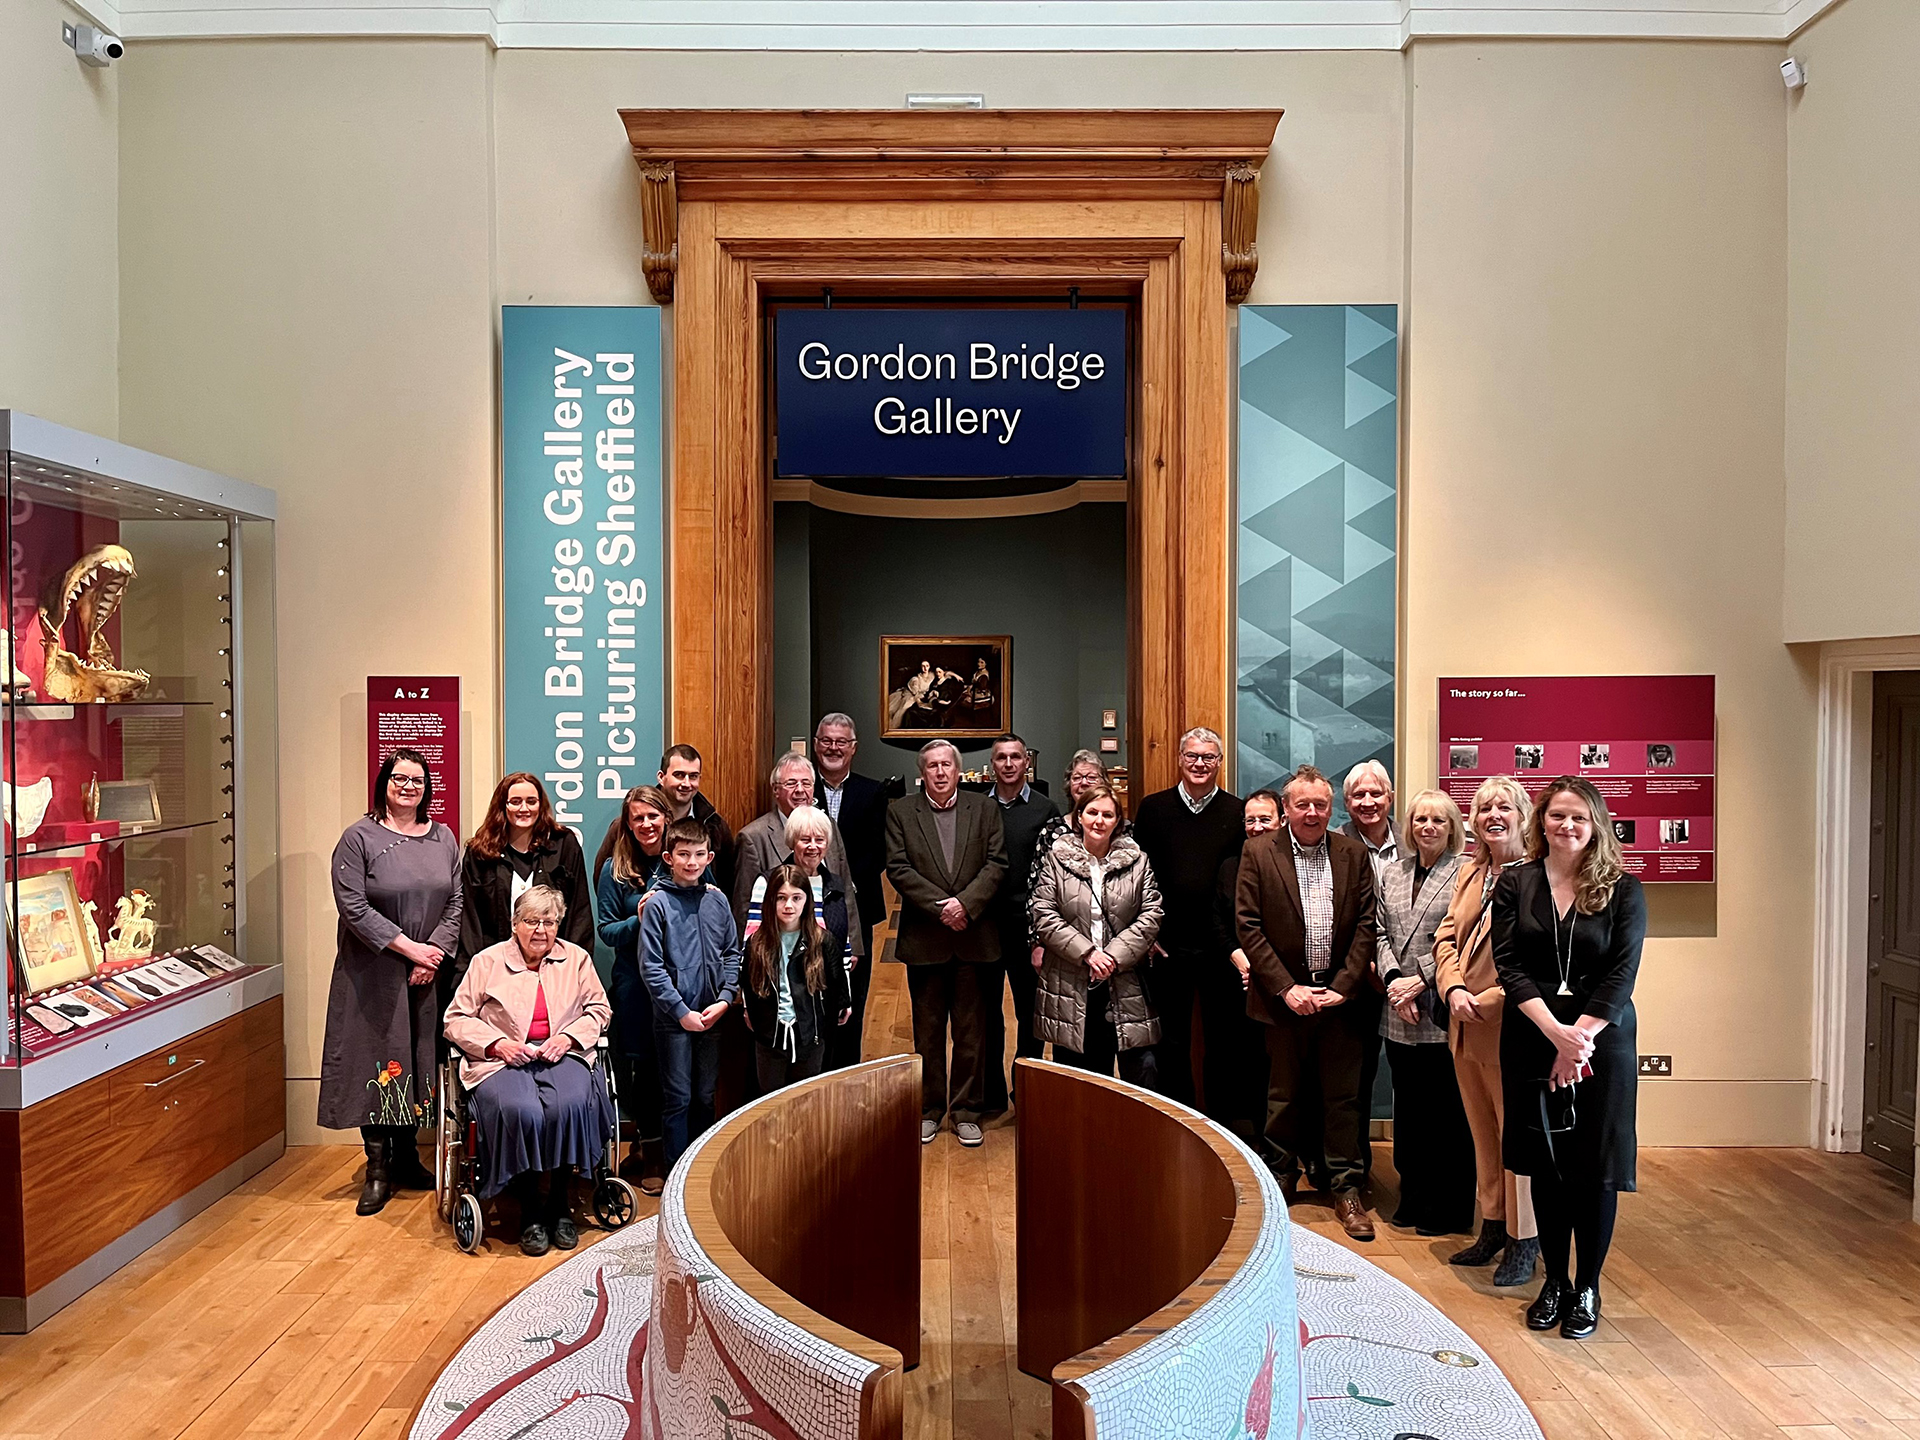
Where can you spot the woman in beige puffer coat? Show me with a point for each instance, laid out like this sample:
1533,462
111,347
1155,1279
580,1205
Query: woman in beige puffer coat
1095,911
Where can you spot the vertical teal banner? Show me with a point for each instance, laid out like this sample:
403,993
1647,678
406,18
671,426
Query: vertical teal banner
581,554
1318,622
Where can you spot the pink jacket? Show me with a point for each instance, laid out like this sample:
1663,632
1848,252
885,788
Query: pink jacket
495,1001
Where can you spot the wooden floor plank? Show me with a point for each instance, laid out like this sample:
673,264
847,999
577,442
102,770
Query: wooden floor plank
1750,1295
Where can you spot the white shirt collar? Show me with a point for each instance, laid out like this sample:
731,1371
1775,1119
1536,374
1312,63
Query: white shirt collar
1196,806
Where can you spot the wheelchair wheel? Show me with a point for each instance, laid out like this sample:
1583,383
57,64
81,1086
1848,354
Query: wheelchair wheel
467,1227
614,1202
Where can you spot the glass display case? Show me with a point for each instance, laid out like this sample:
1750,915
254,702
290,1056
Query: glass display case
136,746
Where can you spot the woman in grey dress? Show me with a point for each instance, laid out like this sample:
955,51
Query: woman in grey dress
396,884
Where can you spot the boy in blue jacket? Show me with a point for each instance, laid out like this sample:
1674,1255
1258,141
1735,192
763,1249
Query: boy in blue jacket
690,960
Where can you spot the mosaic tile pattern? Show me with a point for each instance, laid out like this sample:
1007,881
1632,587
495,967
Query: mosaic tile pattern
1318,464
1309,1339
727,1365
563,1355
1383,1364
1232,1368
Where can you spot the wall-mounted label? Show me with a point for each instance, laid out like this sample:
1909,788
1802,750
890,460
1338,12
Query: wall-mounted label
1646,742
418,712
951,393
582,554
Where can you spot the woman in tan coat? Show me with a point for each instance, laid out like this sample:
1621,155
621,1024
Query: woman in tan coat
1095,911
1465,974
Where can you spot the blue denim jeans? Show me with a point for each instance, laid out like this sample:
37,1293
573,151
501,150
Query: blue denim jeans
689,1070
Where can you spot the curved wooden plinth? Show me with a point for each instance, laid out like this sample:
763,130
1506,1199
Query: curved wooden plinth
808,1201
1133,1213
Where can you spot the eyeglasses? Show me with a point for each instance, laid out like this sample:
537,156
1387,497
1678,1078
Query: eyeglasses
408,782
1199,761
545,922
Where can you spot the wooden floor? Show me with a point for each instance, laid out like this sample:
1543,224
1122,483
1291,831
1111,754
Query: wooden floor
1751,1293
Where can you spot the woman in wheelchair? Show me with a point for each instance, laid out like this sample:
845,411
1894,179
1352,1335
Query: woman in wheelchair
527,1018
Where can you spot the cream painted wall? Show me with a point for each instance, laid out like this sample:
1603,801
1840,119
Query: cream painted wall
307,245
1595,374
1853,315
1332,195
1590,244
59,232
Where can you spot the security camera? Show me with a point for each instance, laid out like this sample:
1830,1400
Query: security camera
94,47
1793,71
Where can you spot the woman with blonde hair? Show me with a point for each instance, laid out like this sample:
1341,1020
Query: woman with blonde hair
1432,1146
1469,986
1567,931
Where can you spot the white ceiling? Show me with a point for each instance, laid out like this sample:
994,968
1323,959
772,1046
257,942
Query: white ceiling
1043,25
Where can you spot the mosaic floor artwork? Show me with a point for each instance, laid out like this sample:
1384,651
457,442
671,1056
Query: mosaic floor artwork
561,1360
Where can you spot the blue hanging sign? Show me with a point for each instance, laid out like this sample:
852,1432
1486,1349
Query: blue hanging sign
950,393
581,554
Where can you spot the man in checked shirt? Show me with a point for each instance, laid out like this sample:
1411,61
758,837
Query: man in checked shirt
1305,914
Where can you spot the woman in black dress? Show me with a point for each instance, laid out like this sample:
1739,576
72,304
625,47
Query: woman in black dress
1567,930
518,845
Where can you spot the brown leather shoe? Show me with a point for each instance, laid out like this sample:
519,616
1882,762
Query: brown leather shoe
1352,1215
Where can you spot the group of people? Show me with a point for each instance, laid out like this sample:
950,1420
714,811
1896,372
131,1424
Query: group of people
1499,984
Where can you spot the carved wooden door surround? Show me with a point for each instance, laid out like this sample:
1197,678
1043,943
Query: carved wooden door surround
742,206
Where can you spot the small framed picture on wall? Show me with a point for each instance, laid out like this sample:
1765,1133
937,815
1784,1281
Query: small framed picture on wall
954,686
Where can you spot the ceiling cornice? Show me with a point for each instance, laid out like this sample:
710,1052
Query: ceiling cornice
960,25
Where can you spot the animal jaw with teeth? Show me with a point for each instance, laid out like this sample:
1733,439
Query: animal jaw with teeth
92,587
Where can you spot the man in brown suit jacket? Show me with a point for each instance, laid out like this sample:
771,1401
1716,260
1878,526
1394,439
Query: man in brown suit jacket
1305,914
946,855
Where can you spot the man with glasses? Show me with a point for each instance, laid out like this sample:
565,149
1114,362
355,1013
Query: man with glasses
762,843
1188,832
858,806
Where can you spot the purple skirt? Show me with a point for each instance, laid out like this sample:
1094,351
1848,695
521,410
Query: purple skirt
539,1117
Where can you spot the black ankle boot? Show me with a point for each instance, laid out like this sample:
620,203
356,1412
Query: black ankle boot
1556,1298
1580,1316
377,1191
404,1170
1485,1250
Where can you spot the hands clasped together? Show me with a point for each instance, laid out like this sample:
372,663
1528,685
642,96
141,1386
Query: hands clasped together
423,960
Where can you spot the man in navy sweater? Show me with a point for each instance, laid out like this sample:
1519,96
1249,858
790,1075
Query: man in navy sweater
1187,832
690,961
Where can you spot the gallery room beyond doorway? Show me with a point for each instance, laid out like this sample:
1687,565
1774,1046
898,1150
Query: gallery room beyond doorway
960,606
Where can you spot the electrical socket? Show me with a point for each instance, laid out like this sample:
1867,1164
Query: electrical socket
1656,1065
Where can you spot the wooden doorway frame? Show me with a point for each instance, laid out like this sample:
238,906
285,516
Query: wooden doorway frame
744,206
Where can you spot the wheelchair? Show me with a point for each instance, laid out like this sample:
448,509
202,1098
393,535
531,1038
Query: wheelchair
456,1158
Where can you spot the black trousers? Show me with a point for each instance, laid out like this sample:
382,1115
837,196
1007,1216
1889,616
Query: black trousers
1233,1068
993,1040
1432,1146
1314,1073
639,1068
843,1044
775,1069
1138,1066
1173,987
1570,1214
1366,1003
1023,980
947,997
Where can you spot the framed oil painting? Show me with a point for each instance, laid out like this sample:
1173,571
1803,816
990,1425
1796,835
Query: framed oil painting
50,941
945,686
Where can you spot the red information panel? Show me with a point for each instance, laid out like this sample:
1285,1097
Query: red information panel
419,712
1644,741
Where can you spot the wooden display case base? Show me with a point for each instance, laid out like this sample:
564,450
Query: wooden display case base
93,1175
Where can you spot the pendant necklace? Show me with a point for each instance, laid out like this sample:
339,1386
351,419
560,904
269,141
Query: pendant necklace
1565,959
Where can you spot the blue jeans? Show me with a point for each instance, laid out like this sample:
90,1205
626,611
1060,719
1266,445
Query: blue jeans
689,1070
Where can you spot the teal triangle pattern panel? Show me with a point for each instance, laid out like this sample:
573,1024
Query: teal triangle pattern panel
1319,473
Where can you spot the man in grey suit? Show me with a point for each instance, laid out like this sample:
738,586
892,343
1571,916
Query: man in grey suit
762,843
946,855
